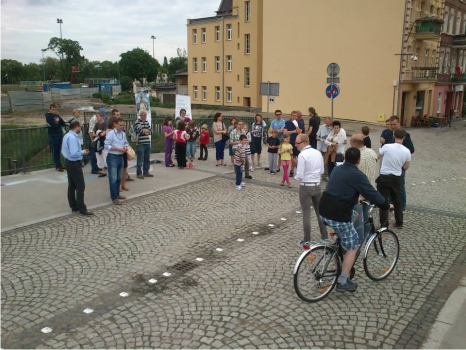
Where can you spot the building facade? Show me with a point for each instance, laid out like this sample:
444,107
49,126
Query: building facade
389,53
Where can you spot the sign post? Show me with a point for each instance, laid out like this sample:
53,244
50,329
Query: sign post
332,90
269,89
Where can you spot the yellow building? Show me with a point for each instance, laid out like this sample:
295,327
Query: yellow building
293,42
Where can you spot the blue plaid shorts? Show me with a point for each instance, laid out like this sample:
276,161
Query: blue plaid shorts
345,230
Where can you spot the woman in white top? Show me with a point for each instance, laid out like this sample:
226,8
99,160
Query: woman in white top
337,139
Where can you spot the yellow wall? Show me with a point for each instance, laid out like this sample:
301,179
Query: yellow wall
302,37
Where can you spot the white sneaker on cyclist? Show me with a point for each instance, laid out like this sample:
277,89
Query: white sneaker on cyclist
239,188
304,245
243,184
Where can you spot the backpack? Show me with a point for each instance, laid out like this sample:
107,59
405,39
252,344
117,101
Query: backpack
132,134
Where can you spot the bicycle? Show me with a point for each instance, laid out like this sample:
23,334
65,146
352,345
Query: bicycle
317,270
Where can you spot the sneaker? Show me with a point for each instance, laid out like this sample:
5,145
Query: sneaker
278,170
129,179
272,173
121,197
304,245
139,177
239,188
249,177
282,183
291,173
148,175
266,169
243,184
116,202
251,169
289,185
347,287
258,165
199,158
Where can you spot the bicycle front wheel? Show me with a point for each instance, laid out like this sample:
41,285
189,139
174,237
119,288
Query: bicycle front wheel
317,274
381,255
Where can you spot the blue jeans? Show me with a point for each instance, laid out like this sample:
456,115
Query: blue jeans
219,150
143,159
114,173
239,174
191,149
361,227
55,143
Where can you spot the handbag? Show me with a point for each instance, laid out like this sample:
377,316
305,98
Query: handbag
130,154
225,137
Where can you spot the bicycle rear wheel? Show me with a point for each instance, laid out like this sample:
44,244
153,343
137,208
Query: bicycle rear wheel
381,255
317,274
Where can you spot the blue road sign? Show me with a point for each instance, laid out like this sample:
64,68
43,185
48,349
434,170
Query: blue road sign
332,91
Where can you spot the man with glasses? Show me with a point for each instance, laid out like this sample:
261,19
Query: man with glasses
310,168
294,127
278,125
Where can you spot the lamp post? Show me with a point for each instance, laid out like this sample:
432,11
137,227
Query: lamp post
60,22
395,84
43,62
153,41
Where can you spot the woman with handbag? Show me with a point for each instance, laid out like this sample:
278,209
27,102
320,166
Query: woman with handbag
220,137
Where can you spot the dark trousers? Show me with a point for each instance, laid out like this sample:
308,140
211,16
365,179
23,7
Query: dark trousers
390,186
143,159
239,174
180,151
331,165
204,152
313,141
219,150
76,185
55,143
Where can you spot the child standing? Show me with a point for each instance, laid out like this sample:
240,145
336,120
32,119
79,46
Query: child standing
193,133
248,147
203,142
273,143
285,150
168,131
180,144
367,139
239,160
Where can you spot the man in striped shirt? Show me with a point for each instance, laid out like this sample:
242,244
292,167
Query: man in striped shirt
142,129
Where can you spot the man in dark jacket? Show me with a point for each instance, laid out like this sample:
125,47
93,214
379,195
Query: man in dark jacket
336,209
55,124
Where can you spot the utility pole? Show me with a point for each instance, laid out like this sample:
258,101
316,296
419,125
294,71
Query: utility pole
153,41
60,22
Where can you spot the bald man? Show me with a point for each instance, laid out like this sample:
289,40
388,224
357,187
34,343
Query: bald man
309,171
368,165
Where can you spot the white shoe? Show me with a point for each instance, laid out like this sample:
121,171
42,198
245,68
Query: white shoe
243,184
239,188
251,169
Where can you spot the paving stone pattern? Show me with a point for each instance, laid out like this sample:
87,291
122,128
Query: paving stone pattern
241,297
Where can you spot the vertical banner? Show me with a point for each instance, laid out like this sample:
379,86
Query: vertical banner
143,102
183,102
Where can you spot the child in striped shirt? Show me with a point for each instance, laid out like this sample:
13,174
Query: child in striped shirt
239,160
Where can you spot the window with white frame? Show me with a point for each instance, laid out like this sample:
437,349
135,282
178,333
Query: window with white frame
247,43
248,11
439,102
217,63
195,64
217,33
204,93
204,35
446,16
194,36
204,64
229,32
229,63
247,76
452,18
458,23
440,62
217,93
446,66
229,94
453,62
195,92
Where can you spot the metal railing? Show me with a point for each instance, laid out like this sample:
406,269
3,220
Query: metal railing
27,149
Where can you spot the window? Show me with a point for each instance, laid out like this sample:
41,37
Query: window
195,64
204,35
439,102
217,63
446,66
204,64
194,36
247,77
442,58
445,18
460,59
247,43
204,93
458,23
195,92
426,58
217,33
248,11
452,18
229,94
229,32
464,24
217,93
453,62
229,64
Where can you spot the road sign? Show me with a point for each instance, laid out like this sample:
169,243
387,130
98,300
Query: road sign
271,99
335,80
332,91
270,89
333,69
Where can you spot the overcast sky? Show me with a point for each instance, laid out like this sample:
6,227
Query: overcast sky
104,28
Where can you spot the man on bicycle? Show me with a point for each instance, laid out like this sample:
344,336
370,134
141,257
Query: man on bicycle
345,185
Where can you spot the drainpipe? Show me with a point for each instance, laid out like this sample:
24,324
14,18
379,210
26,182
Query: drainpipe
401,60
223,61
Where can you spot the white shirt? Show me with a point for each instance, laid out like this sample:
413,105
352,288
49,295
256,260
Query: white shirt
323,132
339,138
395,155
310,165
92,123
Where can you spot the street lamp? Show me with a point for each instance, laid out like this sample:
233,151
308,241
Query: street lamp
43,62
153,40
395,84
60,22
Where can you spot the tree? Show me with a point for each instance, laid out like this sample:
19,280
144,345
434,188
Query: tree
126,83
11,71
177,63
32,72
70,52
139,64
52,68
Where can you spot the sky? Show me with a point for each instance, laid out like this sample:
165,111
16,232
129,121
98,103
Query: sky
104,28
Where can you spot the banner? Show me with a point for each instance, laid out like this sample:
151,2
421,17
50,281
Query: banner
143,102
183,102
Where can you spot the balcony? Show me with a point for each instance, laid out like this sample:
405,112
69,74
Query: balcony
421,74
428,29
455,78
459,41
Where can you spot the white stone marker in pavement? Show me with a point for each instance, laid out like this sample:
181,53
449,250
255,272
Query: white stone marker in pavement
199,259
240,240
152,280
255,233
46,330
219,250
88,311
123,294
167,274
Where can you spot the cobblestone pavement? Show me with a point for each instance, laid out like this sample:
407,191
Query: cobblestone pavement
239,297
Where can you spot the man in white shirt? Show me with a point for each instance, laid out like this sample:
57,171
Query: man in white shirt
368,165
310,168
396,158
